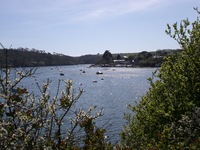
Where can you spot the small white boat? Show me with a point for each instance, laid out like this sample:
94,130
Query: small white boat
99,72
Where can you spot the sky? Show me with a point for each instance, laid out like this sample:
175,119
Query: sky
80,27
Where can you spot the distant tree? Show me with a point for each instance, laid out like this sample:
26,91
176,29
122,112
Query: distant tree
119,57
131,56
168,116
144,55
107,56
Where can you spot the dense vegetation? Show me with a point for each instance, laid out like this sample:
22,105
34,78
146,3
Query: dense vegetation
24,57
152,59
142,59
168,116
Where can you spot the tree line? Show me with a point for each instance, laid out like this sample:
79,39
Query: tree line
141,59
23,57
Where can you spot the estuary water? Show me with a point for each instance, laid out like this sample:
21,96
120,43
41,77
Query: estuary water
113,90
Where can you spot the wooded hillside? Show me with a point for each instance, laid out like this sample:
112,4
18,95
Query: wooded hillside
27,58
24,57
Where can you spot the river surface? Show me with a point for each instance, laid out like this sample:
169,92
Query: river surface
113,90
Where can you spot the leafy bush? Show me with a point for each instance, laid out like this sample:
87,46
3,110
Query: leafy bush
168,116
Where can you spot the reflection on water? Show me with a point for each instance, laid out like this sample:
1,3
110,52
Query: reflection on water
113,90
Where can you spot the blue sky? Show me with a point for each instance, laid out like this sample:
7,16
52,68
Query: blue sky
79,27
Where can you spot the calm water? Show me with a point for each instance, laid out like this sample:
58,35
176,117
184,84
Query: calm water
112,91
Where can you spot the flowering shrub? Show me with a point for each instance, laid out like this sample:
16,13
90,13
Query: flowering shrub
44,122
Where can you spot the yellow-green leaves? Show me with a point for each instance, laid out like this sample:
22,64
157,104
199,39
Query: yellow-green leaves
158,120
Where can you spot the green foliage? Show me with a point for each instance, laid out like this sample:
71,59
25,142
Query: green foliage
168,116
150,59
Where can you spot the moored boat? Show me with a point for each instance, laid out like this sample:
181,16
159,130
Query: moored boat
99,72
